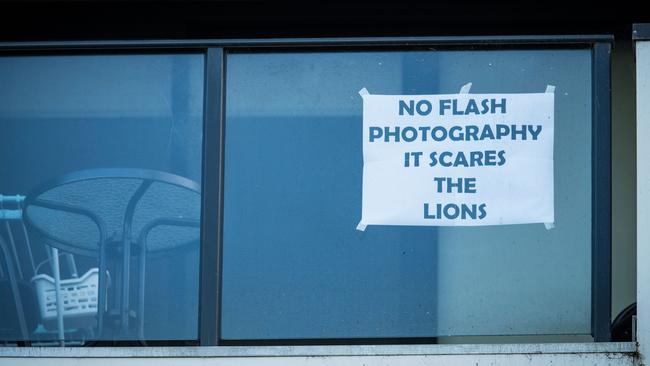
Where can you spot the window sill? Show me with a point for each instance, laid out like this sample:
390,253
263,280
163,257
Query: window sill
623,348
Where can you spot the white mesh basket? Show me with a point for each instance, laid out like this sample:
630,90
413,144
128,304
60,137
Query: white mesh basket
79,297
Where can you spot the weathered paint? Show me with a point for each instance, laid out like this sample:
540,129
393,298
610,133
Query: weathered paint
474,354
591,359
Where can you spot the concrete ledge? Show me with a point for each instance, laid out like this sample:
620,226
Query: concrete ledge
628,348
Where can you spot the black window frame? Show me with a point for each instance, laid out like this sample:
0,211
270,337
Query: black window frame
212,184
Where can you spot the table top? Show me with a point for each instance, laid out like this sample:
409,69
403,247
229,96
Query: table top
80,210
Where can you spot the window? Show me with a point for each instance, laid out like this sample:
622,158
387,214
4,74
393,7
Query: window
294,267
106,150
268,252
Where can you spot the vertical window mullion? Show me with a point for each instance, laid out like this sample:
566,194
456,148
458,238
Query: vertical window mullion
212,187
601,194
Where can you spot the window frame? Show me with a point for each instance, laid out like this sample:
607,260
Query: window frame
215,53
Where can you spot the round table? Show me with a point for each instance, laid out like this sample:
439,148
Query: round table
116,212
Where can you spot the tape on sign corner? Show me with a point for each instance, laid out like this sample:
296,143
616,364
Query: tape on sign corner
361,226
549,225
465,88
550,89
364,92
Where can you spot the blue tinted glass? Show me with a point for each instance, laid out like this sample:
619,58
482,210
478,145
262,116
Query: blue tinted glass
295,267
107,152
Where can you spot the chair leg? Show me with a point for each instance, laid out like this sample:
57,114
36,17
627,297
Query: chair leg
101,290
59,297
72,265
142,269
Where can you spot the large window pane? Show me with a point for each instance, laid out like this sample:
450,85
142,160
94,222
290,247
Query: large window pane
110,139
294,267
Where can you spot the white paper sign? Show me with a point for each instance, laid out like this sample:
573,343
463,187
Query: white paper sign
457,159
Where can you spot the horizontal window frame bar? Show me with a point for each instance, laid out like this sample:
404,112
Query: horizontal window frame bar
307,42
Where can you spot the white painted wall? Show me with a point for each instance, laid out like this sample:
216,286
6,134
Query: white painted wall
643,196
